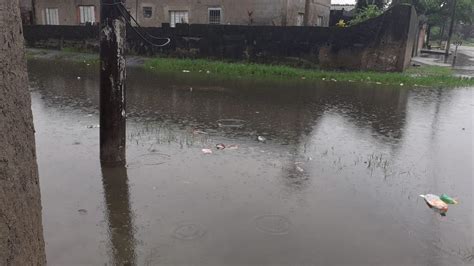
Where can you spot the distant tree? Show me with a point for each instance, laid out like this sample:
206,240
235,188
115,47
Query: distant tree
365,13
437,12
361,4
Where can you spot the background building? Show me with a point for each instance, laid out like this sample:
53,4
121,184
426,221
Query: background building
152,13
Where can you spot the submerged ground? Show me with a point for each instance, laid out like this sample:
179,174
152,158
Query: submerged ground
336,181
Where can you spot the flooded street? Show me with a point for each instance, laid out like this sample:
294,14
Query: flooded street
323,173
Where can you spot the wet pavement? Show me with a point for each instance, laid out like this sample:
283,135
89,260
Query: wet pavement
336,181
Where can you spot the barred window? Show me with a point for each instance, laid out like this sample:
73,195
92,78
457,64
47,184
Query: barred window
215,15
147,12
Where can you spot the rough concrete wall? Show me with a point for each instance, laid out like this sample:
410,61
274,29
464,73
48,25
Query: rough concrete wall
25,4
234,12
67,10
21,236
384,43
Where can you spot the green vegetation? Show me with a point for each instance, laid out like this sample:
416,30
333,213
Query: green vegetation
419,76
468,42
365,13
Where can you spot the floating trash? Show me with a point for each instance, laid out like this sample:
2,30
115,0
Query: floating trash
230,123
220,146
186,71
261,139
233,147
78,78
206,151
447,199
299,169
82,211
93,126
436,203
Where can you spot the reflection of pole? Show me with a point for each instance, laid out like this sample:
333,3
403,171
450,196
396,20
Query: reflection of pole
112,83
119,215
450,33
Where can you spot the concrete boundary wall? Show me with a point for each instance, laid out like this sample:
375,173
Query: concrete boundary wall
384,43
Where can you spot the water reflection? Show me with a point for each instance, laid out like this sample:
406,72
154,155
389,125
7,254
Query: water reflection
338,156
119,216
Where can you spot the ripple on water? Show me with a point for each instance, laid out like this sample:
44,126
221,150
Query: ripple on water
189,231
273,224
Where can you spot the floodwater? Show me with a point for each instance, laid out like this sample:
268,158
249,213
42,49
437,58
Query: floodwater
337,180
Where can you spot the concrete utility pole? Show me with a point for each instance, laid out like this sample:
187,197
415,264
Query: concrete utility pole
112,83
450,33
307,8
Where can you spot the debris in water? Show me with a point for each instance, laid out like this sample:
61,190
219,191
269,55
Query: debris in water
82,211
299,169
208,72
220,146
93,126
232,147
303,78
198,132
447,199
78,78
206,151
186,71
401,84
191,89
378,83
435,203
261,139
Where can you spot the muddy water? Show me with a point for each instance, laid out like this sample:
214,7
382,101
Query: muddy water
336,181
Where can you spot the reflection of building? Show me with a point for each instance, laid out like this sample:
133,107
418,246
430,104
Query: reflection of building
153,13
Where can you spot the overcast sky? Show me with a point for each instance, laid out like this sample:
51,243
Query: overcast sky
343,2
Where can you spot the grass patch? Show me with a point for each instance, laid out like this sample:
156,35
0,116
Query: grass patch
469,42
416,76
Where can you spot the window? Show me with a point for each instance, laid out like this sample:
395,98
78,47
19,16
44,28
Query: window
147,12
51,16
86,14
320,21
300,19
178,17
215,15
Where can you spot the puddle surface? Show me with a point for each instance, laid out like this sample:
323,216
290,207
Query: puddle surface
336,180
